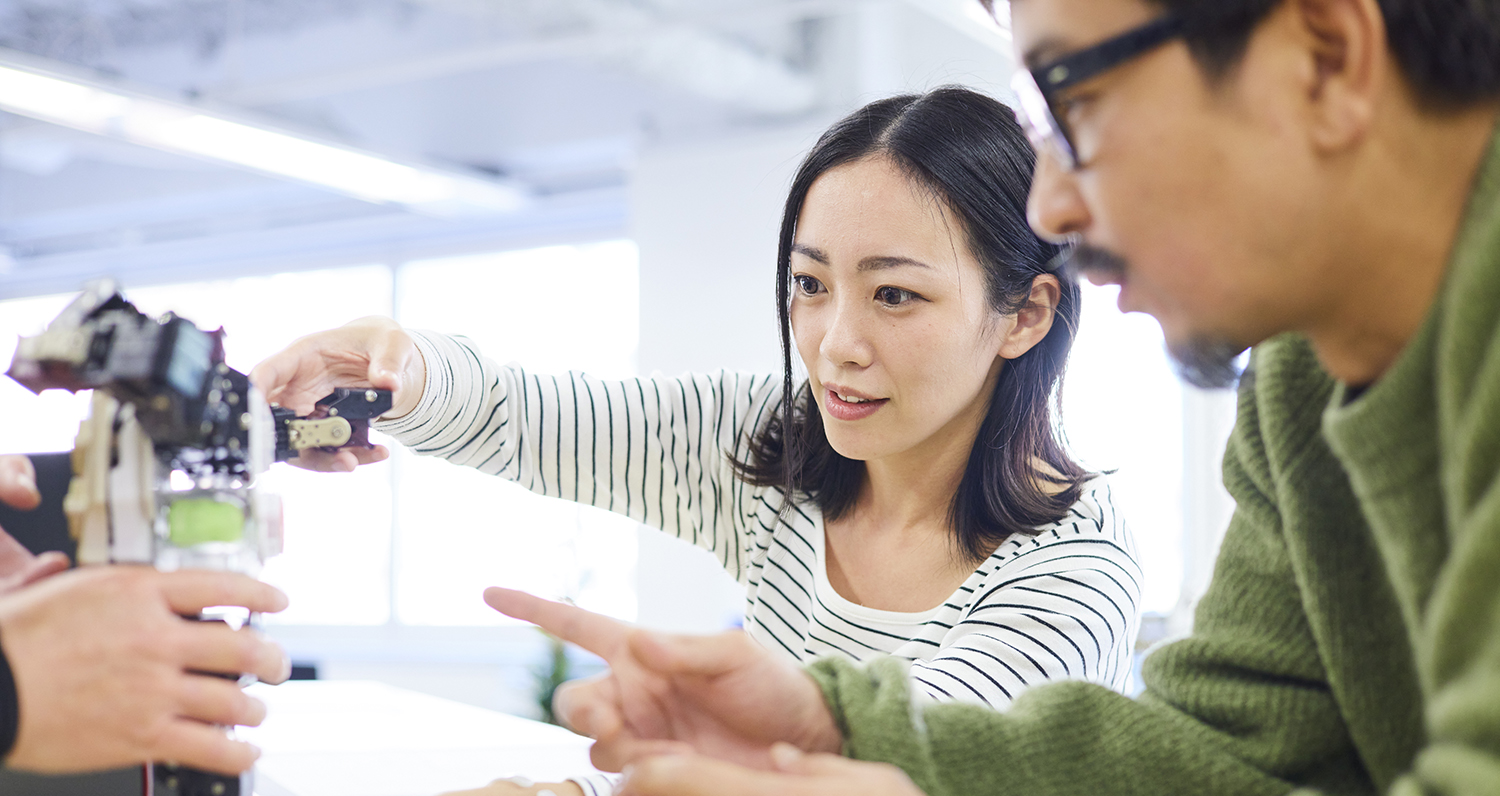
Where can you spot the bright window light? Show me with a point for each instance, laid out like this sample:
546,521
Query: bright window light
1122,408
550,310
413,541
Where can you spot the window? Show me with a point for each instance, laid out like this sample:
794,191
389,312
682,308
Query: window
1125,410
415,540
411,541
552,310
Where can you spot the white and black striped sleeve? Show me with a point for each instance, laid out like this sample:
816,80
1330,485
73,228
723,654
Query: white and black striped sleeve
657,450
1064,608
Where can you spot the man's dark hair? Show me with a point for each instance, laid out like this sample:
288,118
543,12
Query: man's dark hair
1449,50
967,150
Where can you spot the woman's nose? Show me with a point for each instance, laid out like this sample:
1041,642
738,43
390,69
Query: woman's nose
845,341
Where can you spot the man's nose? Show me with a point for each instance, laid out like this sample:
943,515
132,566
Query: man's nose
1055,209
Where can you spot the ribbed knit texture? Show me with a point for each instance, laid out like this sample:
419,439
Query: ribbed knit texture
1350,639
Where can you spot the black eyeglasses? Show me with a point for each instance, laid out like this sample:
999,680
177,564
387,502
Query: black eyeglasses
1037,88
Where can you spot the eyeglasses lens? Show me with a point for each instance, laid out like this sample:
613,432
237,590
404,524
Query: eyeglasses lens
1035,117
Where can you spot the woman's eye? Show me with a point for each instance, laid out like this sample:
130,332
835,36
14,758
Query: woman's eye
894,296
806,285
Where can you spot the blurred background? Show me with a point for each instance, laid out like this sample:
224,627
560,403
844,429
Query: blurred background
575,184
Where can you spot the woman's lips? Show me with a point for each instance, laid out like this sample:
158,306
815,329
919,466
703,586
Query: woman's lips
841,409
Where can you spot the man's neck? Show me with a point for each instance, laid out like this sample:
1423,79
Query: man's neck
1409,202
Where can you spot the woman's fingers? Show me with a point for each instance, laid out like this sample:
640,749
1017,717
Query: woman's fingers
344,460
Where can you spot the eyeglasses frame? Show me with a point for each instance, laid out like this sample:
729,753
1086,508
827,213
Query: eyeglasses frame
1036,88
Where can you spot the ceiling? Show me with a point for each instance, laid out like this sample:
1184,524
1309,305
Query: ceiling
557,96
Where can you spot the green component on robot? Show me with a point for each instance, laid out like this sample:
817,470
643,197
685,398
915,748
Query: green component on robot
194,521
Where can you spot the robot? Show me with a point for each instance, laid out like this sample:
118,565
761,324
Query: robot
165,465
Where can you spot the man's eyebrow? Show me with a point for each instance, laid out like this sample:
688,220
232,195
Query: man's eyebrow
879,263
812,252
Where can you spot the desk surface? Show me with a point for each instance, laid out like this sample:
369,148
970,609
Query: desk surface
351,738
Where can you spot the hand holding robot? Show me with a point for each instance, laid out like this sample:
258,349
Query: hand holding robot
165,472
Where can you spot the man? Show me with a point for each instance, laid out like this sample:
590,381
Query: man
1320,178
94,663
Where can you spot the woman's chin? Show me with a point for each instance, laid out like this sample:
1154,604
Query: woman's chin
858,450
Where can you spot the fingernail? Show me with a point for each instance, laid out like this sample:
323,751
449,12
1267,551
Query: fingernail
24,480
254,713
785,755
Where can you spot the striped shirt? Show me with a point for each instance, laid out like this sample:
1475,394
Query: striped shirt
1060,604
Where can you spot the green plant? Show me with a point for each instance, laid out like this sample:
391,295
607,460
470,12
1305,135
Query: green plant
553,671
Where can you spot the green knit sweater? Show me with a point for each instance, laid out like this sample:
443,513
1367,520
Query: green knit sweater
1350,640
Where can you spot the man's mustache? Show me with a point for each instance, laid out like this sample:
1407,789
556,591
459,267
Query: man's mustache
1082,260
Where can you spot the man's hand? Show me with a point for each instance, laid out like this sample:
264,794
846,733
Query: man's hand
520,786
370,352
722,696
101,659
18,567
795,774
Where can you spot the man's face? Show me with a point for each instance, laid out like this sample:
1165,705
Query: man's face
1205,193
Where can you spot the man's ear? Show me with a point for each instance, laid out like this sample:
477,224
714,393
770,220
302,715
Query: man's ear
1034,319
1348,67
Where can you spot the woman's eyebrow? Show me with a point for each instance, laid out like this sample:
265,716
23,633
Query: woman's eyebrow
811,252
876,263
881,263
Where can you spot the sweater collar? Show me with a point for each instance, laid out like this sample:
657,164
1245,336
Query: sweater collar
1392,425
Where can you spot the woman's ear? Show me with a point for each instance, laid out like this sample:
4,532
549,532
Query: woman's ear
1034,319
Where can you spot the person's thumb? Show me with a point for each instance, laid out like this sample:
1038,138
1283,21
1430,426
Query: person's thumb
393,358
18,482
791,760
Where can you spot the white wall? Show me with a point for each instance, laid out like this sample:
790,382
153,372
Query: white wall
705,221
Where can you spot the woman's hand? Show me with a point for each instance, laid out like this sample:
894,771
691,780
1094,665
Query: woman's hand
370,352
520,786
795,774
723,696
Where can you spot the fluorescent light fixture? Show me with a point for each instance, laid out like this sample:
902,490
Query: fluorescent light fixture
53,96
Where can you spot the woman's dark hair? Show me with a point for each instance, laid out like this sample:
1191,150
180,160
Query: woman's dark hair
1449,50
967,150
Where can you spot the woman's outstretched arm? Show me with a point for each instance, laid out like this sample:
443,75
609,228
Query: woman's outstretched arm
658,450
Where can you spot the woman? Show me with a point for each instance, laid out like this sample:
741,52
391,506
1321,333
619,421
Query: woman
912,497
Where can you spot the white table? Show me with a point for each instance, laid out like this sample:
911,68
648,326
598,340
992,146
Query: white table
351,738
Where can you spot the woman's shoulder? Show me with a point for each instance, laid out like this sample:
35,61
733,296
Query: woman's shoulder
1092,521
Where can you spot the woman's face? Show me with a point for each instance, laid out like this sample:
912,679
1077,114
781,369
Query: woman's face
891,318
